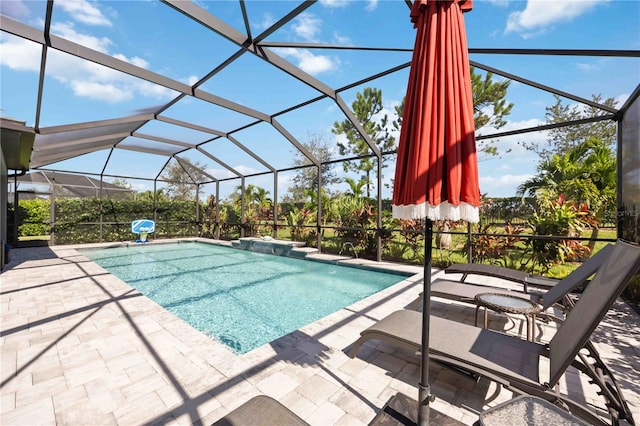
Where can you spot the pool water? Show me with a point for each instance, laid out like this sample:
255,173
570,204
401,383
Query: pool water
241,298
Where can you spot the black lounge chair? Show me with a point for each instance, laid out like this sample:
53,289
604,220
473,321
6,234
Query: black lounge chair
508,274
514,362
261,410
464,292
495,271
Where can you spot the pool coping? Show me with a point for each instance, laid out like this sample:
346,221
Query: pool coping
299,251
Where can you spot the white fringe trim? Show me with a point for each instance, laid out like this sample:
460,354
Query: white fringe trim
443,211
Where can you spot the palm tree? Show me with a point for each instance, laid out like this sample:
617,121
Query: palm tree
355,187
585,173
260,196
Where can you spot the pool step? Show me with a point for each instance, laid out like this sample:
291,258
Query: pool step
302,252
271,246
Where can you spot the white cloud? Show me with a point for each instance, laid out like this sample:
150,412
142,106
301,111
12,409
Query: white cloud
192,79
152,90
334,3
538,15
307,26
502,186
501,176
19,54
284,183
67,31
340,39
500,3
84,78
582,66
264,181
512,144
103,92
141,187
139,62
14,9
522,124
621,99
221,173
246,170
594,65
84,12
310,63
315,64
201,3
511,125
267,21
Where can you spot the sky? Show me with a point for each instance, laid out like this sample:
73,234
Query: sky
155,37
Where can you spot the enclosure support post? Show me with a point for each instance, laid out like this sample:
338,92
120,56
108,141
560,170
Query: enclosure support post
15,210
100,204
197,210
242,208
620,222
275,204
379,215
216,234
52,214
319,215
155,201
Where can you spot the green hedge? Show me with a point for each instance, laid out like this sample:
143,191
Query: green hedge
33,215
78,220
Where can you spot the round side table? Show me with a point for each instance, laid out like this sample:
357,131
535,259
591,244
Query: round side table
510,304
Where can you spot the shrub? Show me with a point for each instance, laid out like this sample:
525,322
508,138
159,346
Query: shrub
33,216
77,220
497,249
558,217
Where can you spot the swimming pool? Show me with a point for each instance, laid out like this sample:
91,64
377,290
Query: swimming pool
241,298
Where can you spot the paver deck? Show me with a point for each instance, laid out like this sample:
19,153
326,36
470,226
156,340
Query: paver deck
81,347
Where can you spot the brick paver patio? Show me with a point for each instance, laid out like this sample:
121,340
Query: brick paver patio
80,347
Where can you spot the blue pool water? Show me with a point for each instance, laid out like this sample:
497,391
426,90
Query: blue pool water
241,298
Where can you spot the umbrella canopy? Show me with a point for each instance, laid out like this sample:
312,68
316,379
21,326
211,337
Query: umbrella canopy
437,170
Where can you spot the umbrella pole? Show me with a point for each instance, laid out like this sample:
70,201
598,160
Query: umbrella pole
424,390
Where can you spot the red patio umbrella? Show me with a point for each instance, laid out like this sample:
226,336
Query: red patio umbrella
437,170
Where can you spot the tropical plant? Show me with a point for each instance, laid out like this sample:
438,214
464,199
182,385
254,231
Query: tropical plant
329,209
215,218
258,215
388,223
558,217
413,233
488,247
585,173
299,222
355,187
355,217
